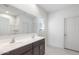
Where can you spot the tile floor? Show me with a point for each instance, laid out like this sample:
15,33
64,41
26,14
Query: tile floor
59,51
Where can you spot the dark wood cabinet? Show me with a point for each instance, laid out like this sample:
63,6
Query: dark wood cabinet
28,52
42,49
36,48
39,47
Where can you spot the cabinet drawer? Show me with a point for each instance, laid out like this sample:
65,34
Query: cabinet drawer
42,41
21,50
39,42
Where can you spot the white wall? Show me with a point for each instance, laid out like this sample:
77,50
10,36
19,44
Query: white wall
56,25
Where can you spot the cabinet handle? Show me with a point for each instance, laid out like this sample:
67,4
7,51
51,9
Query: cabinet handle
65,34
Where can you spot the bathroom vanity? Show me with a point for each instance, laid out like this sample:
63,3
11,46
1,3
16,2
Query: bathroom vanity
36,47
20,33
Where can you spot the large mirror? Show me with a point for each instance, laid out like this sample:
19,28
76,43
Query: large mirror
18,24
4,26
15,21
8,24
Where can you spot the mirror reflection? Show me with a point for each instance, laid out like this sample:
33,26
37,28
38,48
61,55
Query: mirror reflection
16,21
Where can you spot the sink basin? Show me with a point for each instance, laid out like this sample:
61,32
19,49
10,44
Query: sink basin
22,40
25,38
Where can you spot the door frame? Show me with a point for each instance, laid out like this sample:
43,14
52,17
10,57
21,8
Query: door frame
64,32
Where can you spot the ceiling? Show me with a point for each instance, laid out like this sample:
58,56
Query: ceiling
53,7
28,8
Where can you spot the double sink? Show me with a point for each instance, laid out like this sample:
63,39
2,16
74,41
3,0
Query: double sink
6,45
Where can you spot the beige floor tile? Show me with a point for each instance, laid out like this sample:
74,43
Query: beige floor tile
59,51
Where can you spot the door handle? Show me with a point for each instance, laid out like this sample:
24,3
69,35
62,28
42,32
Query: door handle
65,34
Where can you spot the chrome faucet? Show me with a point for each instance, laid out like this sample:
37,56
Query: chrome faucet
13,40
14,36
33,35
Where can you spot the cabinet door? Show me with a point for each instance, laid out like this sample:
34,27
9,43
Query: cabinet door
28,52
42,49
36,50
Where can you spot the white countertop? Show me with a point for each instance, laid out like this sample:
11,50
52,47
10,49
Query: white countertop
6,47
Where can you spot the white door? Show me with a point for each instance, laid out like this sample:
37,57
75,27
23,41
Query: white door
72,33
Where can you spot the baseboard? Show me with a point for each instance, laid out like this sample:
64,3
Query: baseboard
71,49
